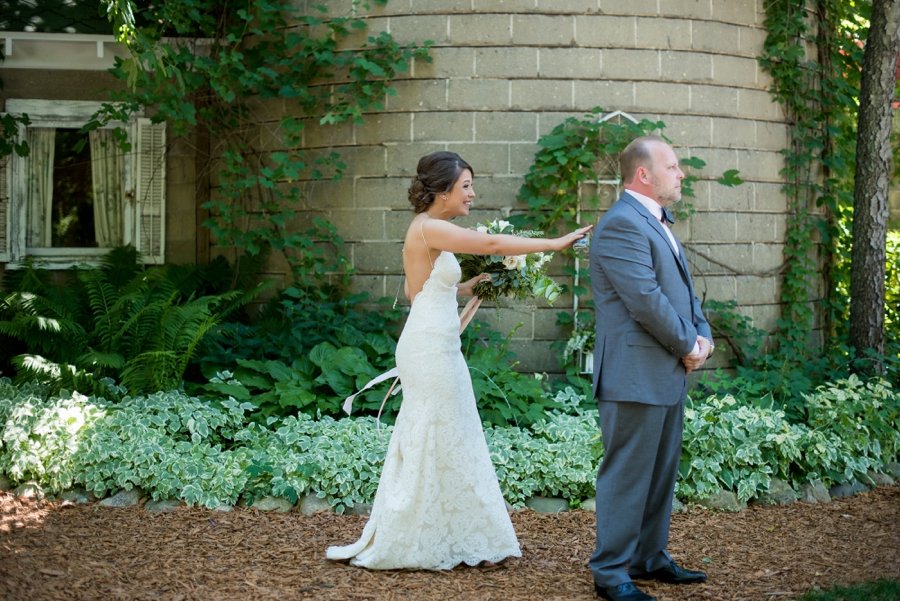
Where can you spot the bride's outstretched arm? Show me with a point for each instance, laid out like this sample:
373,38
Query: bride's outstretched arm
443,235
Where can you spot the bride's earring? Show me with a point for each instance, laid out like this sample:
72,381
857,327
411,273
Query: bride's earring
444,197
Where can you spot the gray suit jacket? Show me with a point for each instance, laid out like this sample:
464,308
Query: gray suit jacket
648,316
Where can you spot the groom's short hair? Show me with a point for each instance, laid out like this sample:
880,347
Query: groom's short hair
637,154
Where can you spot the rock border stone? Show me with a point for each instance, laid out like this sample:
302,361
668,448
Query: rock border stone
274,504
723,500
814,492
311,503
29,490
847,489
547,504
124,498
780,493
162,505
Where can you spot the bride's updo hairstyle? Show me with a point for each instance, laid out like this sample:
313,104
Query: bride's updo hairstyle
436,174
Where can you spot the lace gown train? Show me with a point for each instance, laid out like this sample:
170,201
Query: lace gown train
438,502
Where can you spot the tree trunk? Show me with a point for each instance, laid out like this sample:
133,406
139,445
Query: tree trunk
873,169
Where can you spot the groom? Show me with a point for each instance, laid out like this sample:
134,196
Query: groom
650,334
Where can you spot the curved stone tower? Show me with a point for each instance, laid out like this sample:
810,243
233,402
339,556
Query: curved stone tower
505,72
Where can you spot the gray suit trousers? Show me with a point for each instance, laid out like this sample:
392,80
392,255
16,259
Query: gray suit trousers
635,488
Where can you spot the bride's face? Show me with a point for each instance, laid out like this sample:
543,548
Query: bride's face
459,199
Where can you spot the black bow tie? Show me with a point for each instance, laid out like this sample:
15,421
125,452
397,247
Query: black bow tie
666,217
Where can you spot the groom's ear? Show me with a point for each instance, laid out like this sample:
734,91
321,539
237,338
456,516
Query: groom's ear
642,174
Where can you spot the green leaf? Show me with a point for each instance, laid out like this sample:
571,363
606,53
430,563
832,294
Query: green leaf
730,178
321,353
693,162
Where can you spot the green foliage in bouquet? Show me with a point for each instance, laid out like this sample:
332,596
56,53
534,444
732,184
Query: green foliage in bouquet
514,276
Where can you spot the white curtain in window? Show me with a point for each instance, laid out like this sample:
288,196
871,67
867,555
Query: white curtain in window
108,174
42,145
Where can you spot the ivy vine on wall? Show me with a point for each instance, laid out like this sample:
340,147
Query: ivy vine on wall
819,93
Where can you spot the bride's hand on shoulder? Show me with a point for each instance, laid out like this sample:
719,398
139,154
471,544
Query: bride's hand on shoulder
467,288
568,240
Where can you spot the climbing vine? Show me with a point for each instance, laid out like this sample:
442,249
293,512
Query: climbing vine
9,132
577,152
819,94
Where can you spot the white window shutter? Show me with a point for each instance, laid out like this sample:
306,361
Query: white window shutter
149,155
5,213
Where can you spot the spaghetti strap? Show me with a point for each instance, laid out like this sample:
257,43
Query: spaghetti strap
427,250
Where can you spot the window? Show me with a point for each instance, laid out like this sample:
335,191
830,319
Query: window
68,206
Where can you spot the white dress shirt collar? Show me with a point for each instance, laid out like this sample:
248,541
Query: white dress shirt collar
649,203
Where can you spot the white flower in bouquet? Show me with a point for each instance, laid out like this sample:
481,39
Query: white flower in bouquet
513,276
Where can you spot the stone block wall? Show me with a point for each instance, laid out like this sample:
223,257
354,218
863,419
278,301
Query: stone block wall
504,73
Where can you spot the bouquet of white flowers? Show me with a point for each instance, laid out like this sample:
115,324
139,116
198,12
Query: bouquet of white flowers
514,276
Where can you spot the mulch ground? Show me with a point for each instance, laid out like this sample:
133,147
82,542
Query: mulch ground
51,552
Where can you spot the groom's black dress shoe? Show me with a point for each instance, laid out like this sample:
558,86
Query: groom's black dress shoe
623,592
673,574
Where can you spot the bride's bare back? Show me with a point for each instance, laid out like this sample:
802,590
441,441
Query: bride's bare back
418,259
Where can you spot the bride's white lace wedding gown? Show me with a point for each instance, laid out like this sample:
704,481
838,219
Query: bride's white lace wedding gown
438,502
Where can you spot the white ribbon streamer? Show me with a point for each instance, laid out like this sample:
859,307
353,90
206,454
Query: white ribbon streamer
348,402
465,317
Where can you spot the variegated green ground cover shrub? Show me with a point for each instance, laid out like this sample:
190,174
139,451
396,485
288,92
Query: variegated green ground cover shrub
169,444
40,436
176,446
735,447
340,460
551,459
854,426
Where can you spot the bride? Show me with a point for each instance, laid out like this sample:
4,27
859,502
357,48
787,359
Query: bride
438,502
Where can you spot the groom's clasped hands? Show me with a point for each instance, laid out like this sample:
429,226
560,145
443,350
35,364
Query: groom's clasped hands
697,357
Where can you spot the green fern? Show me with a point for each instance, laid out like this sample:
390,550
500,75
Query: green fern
138,327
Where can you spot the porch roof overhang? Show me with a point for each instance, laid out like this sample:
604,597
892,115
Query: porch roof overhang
74,51
66,51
